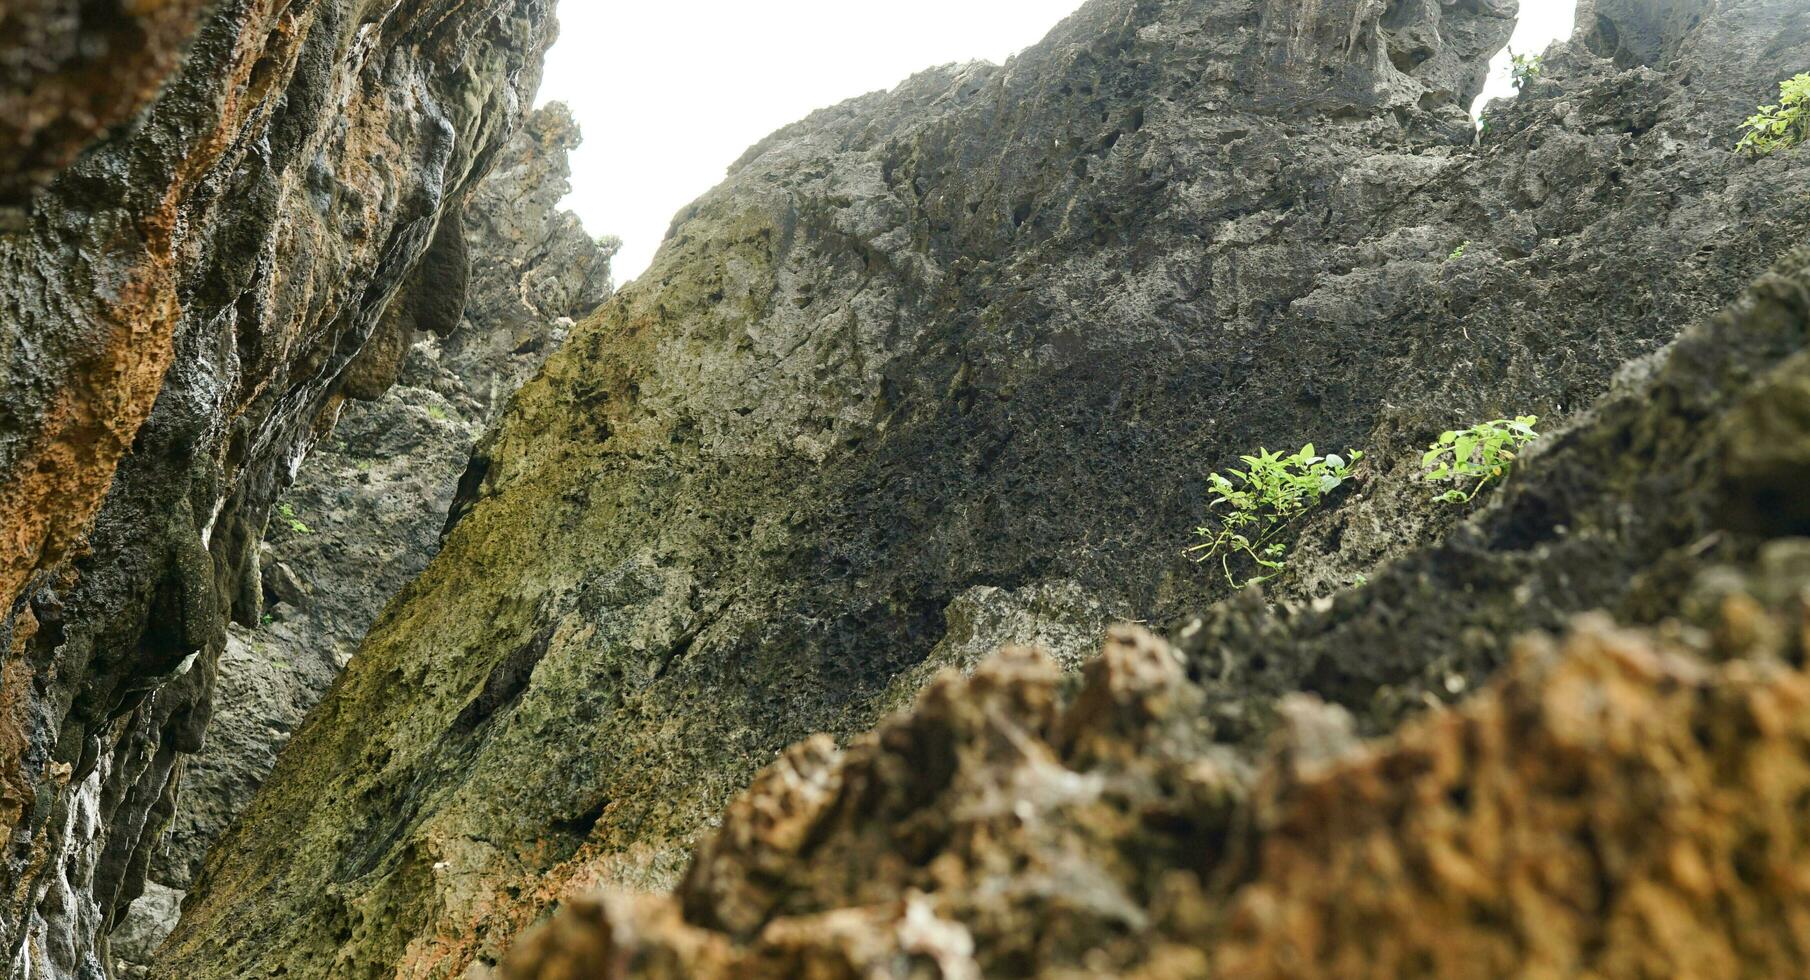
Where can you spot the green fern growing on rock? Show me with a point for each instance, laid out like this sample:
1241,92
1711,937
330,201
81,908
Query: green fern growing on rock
1256,504
1782,126
1484,452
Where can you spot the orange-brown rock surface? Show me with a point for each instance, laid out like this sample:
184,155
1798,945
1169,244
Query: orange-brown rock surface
945,368
69,71
1614,805
208,211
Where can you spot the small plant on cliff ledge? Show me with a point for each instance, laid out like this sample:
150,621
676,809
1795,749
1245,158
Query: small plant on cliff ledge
1256,504
1484,452
294,522
1525,68
1782,126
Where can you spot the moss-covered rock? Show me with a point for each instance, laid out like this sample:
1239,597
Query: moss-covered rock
990,330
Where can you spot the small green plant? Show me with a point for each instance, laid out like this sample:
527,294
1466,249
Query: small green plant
436,413
1458,253
295,523
1525,68
1484,452
1782,126
1267,495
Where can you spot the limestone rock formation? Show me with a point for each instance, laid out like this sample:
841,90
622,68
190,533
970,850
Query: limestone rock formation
182,310
365,513
991,330
1621,804
1612,806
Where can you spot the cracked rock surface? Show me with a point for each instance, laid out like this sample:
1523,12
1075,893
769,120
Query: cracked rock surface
365,513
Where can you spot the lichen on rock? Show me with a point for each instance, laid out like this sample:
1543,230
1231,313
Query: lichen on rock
989,331
365,512
206,213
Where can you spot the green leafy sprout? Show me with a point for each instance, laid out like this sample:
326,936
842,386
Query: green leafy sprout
1458,253
1484,452
295,523
1525,68
1782,126
1256,504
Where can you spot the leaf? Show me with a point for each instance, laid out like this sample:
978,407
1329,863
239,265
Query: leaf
1447,438
1467,444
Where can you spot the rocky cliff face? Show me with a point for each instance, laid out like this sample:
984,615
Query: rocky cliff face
946,367
1618,803
70,72
365,513
183,310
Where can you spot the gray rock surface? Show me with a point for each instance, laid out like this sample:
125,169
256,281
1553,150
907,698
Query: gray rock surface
183,308
365,513
991,329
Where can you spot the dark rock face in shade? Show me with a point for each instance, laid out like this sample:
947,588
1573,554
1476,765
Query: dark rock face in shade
945,368
71,71
365,513
221,222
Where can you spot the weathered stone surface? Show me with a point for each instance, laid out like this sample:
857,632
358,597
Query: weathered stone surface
991,329
365,513
70,71
179,309
1619,804
1611,806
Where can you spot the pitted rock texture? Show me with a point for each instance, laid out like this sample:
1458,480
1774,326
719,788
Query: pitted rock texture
71,71
1618,804
989,330
1611,806
181,310
1694,457
365,513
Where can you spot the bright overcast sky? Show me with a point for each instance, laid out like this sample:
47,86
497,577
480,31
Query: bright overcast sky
670,93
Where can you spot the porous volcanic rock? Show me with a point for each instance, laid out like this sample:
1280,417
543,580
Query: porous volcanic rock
989,330
182,309
71,71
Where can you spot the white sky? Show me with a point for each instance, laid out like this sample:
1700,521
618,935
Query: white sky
669,93
1542,22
